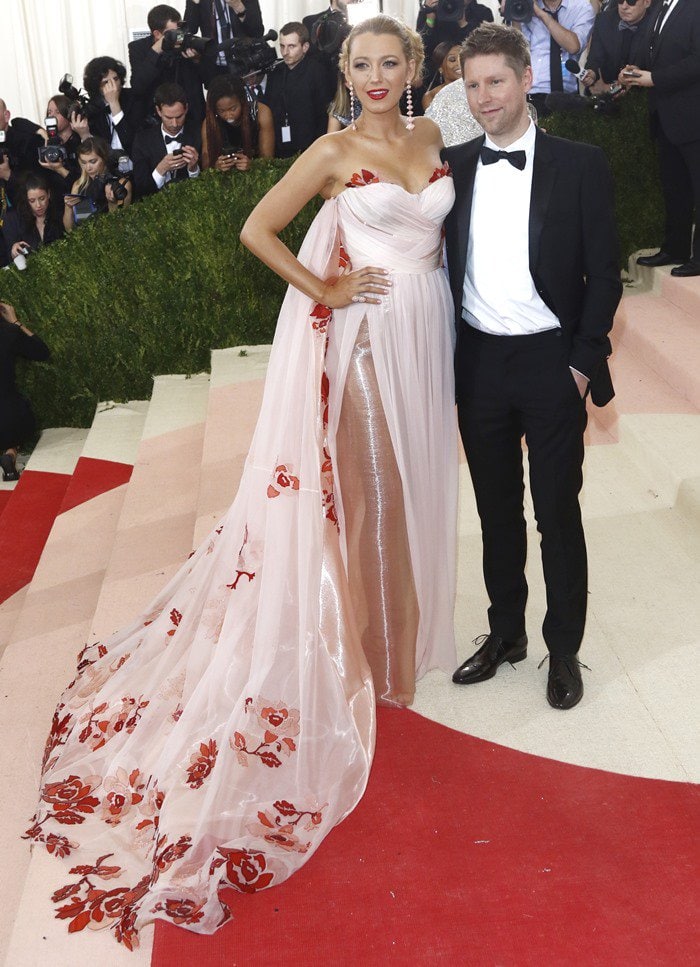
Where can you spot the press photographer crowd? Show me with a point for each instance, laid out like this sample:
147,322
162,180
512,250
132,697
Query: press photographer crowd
208,89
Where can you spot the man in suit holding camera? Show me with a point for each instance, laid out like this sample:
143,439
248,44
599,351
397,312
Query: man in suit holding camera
169,152
534,271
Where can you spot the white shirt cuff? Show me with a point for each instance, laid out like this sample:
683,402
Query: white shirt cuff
158,178
193,174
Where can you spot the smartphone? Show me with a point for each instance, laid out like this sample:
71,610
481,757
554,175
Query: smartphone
230,153
178,152
631,74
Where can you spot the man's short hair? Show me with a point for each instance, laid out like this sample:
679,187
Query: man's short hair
491,38
169,94
160,15
295,28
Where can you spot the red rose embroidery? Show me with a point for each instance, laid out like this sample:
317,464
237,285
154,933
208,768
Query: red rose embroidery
320,317
284,480
71,800
364,177
245,870
201,764
441,172
181,911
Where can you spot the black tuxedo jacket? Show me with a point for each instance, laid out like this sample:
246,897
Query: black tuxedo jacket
149,70
573,249
127,127
608,53
674,62
149,149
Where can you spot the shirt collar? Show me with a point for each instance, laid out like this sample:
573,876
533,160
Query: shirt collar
526,142
175,137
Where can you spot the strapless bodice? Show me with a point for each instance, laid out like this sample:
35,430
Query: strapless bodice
382,224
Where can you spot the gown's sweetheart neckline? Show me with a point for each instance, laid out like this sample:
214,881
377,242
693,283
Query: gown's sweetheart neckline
365,177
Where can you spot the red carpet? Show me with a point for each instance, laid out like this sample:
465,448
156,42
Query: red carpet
467,853
27,517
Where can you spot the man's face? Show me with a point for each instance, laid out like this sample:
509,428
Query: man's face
292,49
496,96
633,13
172,117
170,25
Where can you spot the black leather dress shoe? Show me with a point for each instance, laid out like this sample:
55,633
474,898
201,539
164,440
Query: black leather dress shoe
687,270
484,663
661,258
564,684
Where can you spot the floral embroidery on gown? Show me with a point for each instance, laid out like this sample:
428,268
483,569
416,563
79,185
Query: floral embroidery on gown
216,740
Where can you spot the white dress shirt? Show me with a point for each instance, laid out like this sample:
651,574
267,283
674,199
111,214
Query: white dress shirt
170,148
499,295
576,16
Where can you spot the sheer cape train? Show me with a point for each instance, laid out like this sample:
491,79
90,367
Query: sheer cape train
215,741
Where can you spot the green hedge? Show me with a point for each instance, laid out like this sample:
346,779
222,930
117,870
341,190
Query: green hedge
154,288
632,156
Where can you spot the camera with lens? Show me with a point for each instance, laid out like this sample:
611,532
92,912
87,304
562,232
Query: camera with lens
449,11
53,151
179,39
250,55
114,178
518,11
78,100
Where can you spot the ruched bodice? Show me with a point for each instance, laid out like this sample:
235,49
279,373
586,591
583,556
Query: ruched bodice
383,224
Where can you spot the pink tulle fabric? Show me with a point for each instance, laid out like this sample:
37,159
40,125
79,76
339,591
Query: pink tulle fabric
215,741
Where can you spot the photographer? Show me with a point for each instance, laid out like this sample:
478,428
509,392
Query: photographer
559,30
20,140
230,135
222,21
620,36
327,31
33,222
171,151
152,66
112,111
97,183
449,21
17,423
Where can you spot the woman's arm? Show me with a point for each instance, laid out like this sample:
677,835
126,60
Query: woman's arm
205,146
266,132
68,206
316,172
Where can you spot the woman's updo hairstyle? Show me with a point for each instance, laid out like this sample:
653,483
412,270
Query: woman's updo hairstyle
383,24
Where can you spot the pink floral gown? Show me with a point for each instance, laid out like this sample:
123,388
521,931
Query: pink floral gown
215,741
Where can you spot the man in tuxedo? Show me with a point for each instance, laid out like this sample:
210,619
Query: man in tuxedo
534,272
151,66
222,21
620,36
171,151
673,79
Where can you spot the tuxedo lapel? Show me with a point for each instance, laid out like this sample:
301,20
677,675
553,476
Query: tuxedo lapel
463,164
544,175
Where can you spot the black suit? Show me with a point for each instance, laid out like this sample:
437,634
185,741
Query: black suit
449,31
149,149
510,386
612,49
149,70
98,117
202,17
674,61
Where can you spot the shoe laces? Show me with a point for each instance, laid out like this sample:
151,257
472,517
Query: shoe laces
566,658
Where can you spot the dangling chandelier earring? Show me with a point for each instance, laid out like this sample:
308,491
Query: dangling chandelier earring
352,106
409,107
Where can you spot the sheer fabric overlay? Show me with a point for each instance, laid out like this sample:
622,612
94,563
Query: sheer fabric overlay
215,741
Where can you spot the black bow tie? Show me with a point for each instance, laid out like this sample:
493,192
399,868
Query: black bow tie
169,140
516,158
622,25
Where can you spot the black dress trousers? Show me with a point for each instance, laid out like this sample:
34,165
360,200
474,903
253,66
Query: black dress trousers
509,387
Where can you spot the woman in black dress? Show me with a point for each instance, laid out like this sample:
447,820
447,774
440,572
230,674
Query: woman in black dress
231,135
34,222
17,422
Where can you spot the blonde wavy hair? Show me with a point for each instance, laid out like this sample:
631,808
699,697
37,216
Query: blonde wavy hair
411,42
